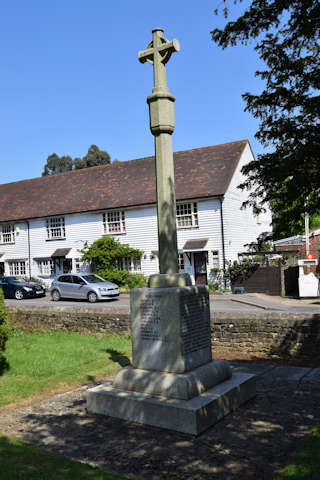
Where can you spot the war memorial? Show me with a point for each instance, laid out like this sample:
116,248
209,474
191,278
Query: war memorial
173,382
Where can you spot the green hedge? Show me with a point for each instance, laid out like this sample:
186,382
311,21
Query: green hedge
3,333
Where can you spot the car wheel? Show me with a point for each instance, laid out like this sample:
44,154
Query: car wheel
55,295
18,295
92,297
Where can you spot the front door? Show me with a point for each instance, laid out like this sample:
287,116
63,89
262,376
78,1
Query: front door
200,268
67,265
1,269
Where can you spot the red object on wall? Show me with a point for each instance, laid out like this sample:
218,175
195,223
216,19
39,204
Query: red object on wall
310,256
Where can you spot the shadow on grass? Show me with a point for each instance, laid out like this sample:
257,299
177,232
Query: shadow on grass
4,365
118,357
115,357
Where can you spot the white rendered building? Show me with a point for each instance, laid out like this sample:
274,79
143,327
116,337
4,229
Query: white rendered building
45,221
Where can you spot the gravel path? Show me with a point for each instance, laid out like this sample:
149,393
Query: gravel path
254,442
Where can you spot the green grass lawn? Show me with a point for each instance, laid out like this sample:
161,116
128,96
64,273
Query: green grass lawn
19,461
45,361
305,465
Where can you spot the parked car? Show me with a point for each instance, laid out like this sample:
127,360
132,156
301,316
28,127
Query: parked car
90,287
19,288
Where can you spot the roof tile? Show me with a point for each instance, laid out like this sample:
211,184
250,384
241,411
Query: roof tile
201,172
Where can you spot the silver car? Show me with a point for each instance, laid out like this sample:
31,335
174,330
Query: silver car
90,287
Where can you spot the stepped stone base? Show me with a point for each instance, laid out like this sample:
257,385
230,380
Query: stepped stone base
172,385
191,416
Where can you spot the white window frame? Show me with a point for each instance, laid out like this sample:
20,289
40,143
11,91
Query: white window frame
46,266
215,259
17,268
181,262
7,233
187,215
114,222
77,265
56,229
129,264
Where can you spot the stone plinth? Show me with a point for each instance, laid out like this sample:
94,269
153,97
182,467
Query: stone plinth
172,385
173,382
187,416
170,328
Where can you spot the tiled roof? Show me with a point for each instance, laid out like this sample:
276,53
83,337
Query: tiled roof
201,172
61,252
196,244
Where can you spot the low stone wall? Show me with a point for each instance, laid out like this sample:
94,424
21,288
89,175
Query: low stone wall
269,334
70,319
279,334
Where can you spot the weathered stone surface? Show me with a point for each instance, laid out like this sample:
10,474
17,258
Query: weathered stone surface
171,385
161,113
170,328
187,416
160,280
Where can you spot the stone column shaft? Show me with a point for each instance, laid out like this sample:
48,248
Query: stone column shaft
161,110
166,204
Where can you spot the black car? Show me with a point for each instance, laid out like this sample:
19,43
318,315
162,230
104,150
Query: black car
19,288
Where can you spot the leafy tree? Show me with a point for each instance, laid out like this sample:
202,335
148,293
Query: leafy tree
3,334
94,157
286,35
56,164
104,254
283,228
262,244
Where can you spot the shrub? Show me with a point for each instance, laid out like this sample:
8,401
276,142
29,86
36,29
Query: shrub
136,280
241,270
105,256
105,253
3,333
119,277
216,279
213,287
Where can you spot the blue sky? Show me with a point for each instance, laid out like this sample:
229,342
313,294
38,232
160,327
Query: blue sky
70,77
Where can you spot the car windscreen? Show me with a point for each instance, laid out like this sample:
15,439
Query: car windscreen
92,279
16,280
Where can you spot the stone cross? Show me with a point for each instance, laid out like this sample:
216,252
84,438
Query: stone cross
161,112
158,53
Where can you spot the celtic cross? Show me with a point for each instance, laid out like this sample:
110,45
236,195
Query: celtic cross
158,53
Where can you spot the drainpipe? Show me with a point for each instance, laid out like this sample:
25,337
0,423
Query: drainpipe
222,241
29,248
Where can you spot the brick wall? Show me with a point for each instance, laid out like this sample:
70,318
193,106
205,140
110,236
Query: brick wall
314,243
265,334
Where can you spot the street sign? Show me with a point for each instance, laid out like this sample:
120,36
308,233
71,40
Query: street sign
310,256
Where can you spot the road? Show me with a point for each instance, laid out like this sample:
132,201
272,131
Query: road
253,303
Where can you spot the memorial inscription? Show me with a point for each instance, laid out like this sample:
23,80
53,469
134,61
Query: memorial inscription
195,323
150,326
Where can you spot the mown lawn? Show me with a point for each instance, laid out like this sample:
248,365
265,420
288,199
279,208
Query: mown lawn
46,361
19,461
305,465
